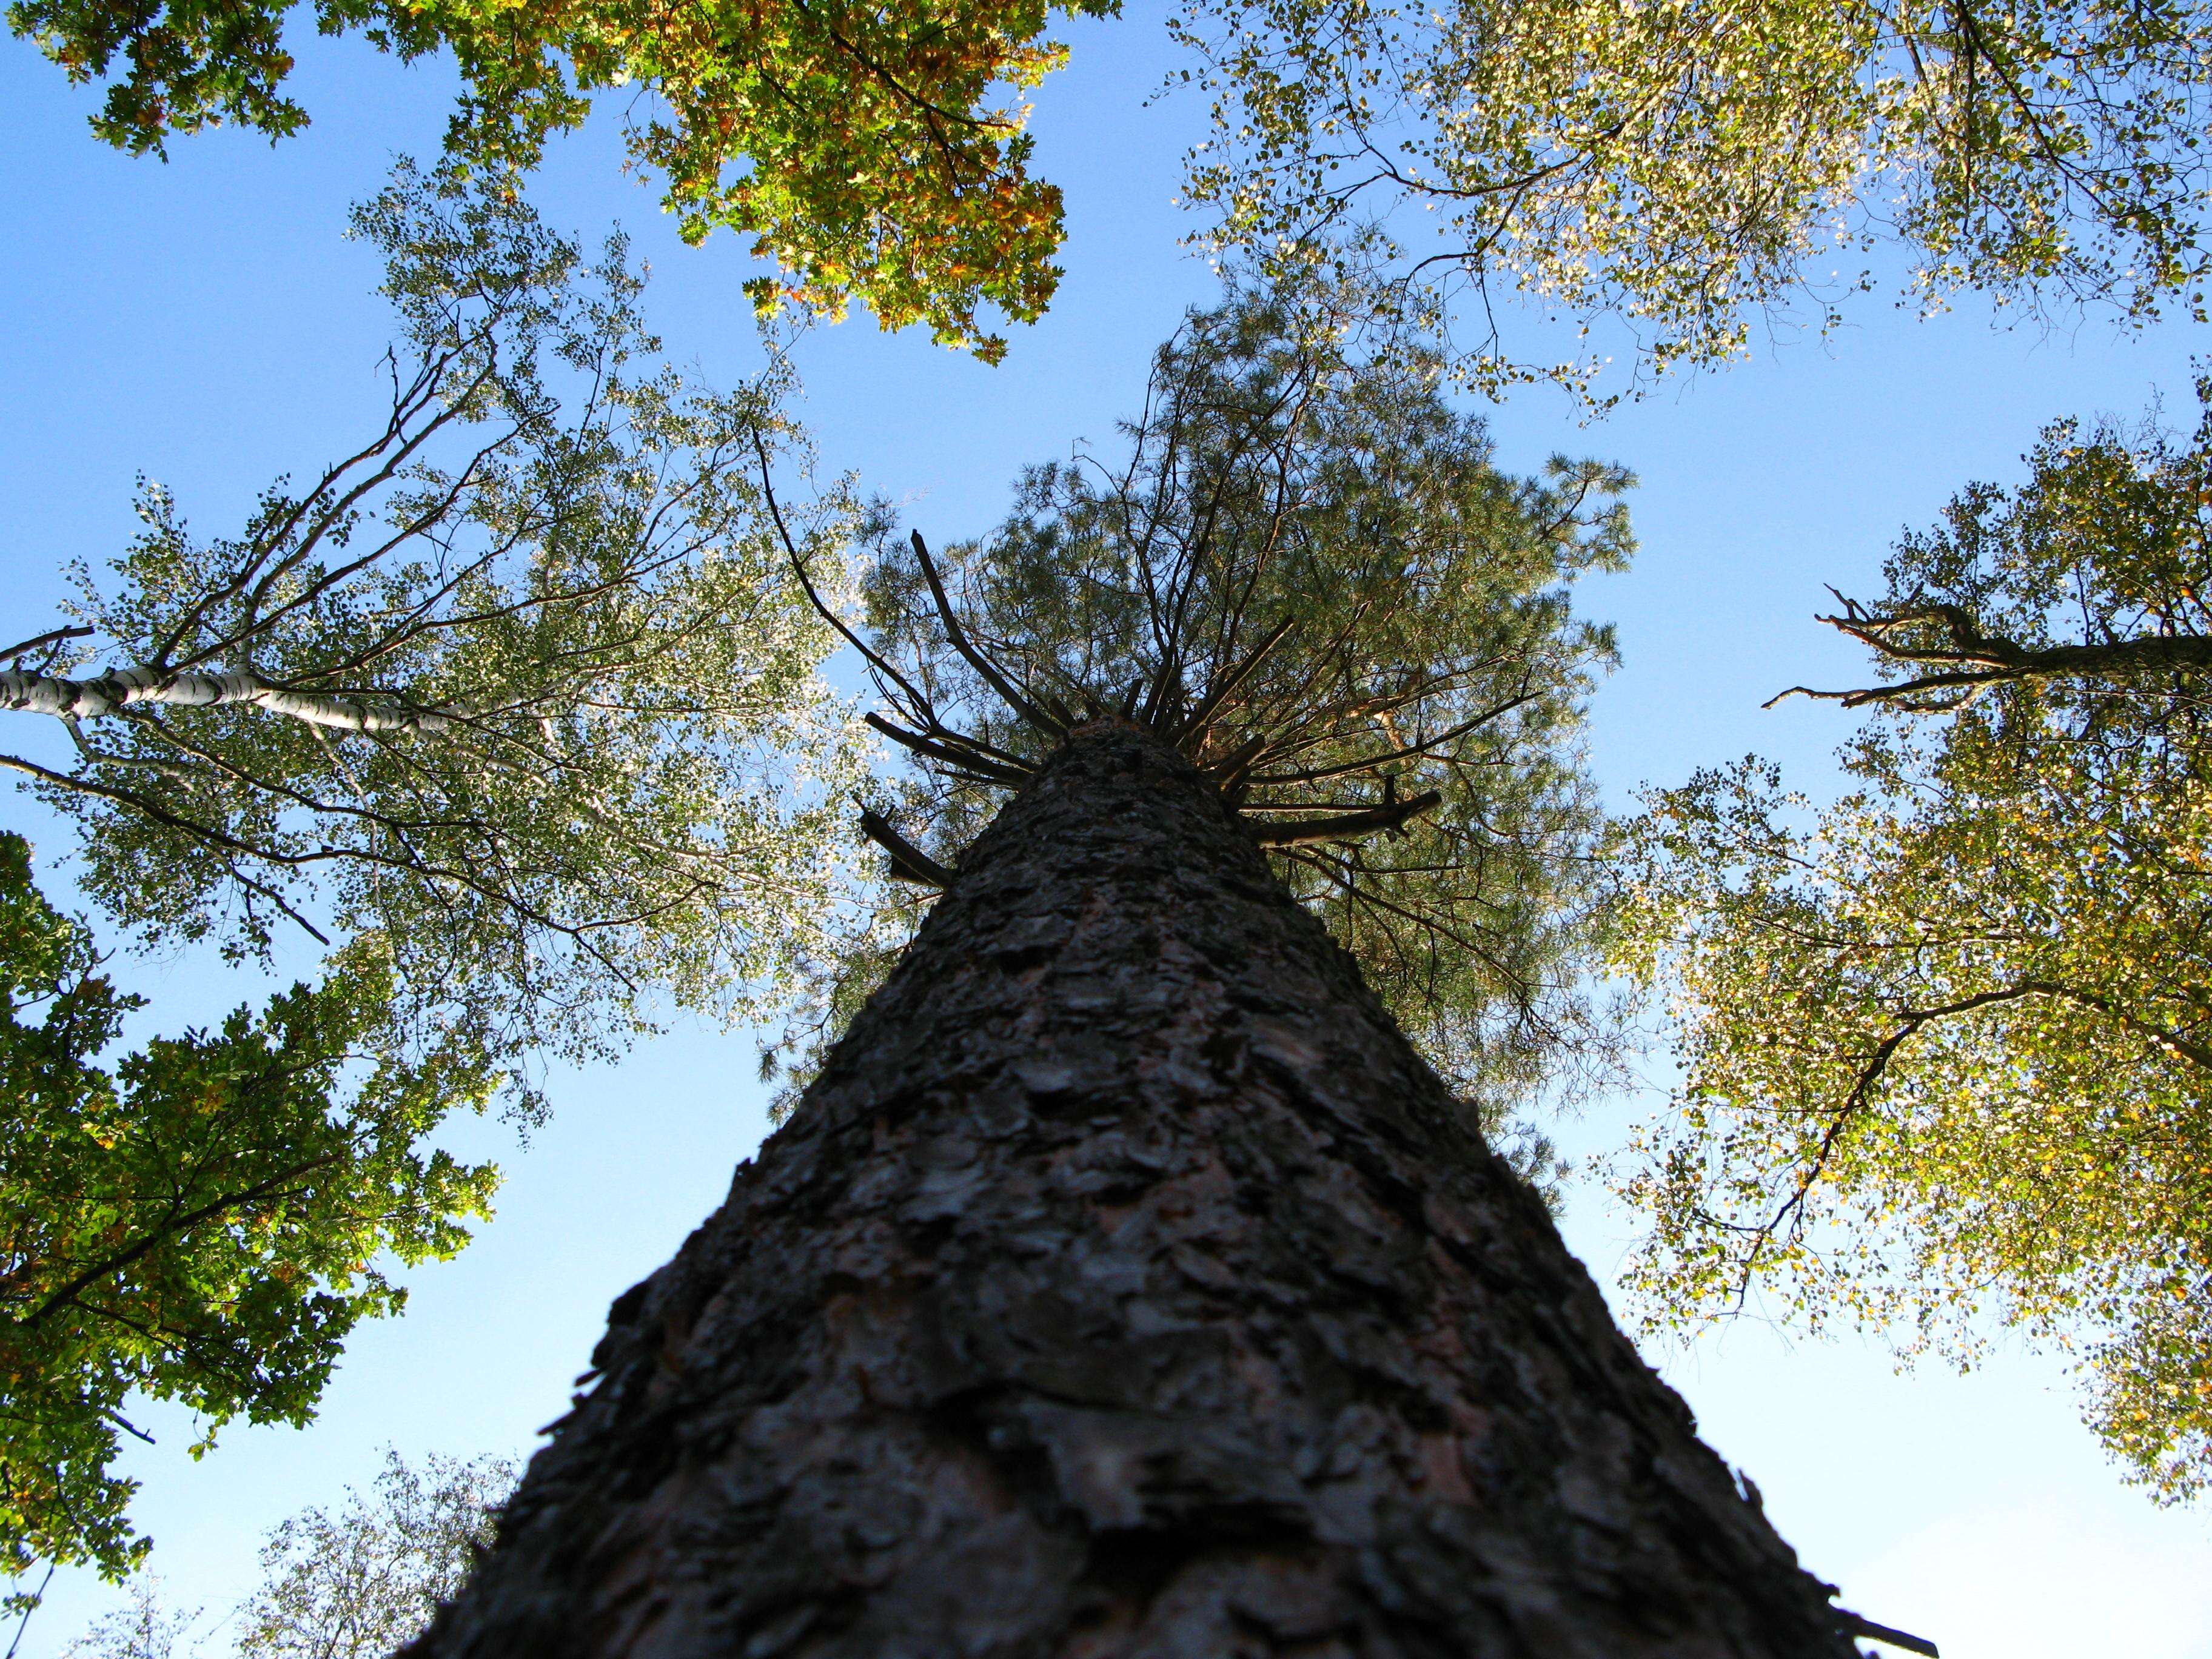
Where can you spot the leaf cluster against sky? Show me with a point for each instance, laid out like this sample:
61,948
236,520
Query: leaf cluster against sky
1947,1043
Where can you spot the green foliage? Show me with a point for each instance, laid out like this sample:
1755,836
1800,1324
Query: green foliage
522,689
203,1223
1306,570
363,1582
358,1583
866,161
143,1628
1946,1045
1687,168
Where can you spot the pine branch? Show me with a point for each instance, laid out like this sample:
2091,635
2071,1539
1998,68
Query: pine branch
908,862
975,660
1388,816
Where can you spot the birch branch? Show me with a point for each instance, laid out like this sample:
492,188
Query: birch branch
117,689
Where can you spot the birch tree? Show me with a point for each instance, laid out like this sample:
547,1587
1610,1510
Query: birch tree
1666,179
1947,1043
520,689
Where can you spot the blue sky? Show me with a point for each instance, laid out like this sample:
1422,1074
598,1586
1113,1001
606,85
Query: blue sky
202,323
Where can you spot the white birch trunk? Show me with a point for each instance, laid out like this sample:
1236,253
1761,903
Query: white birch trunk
106,694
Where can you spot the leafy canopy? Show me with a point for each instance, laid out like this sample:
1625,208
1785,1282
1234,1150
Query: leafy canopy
361,1582
201,1223
356,1582
1685,168
855,145
1946,1045
521,689
1305,571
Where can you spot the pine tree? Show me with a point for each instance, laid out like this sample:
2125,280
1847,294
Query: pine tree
1127,1282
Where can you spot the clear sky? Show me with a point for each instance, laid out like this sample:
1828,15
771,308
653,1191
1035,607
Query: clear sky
202,323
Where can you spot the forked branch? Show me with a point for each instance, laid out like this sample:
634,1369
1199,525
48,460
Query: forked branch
1967,662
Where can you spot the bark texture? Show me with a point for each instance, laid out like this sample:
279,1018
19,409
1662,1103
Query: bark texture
119,688
1126,1285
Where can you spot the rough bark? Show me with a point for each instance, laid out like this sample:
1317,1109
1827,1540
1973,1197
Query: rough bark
1126,1284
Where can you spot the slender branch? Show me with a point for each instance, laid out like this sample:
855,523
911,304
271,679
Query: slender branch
31,1605
914,698
975,660
225,842
1407,751
179,1225
52,636
1911,1021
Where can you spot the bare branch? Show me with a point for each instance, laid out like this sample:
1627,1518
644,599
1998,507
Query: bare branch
1388,816
908,862
975,660
948,747
1856,1624
920,703
1976,662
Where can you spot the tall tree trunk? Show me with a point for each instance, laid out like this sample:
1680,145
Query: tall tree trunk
1126,1284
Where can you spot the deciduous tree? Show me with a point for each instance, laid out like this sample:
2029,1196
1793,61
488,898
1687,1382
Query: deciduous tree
1688,170
857,145
520,688
355,1584
205,1221
1947,1043
145,1627
361,1582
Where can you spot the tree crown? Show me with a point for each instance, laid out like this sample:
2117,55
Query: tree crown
1305,572
1947,1043
521,687
1683,171
205,1222
856,145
